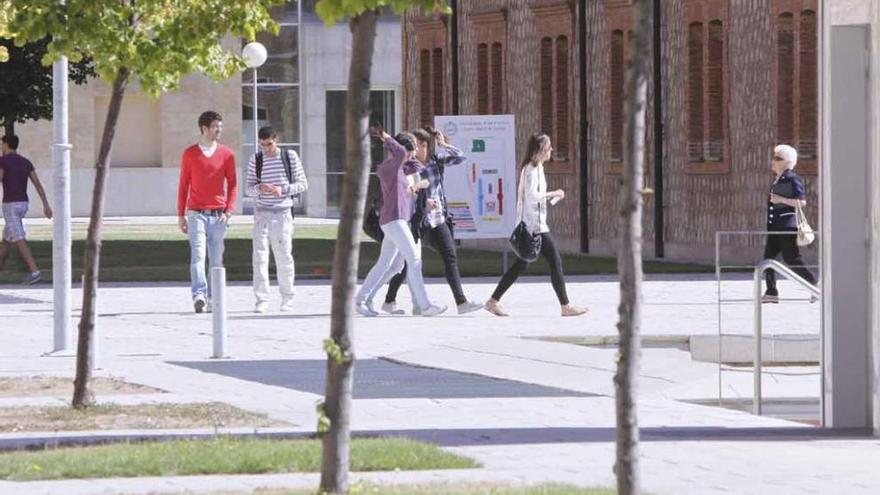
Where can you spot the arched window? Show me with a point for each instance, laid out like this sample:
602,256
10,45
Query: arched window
547,85
426,116
553,26
707,87
785,83
808,101
563,140
714,150
490,35
617,81
482,79
430,35
497,78
796,81
695,92
438,77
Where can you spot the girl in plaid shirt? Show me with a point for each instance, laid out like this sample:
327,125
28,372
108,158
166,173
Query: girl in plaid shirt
436,154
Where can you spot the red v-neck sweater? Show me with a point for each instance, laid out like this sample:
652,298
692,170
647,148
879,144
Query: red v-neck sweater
201,180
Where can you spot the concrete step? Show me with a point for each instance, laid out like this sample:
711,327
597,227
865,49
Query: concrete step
805,410
776,349
736,350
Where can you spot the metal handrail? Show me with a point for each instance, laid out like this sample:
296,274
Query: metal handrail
759,275
719,268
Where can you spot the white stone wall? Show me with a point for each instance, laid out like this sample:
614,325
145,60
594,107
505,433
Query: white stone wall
326,53
153,190
133,190
867,13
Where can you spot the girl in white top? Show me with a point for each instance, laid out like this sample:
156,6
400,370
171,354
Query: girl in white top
531,207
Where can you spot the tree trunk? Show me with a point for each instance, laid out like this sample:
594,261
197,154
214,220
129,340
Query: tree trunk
9,127
340,372
82,393
629,259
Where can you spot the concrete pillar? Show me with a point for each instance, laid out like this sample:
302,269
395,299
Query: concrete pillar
845,174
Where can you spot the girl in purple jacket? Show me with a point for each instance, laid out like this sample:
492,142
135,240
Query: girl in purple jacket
398,245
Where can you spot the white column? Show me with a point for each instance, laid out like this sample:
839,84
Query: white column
846,137
61,244
256,115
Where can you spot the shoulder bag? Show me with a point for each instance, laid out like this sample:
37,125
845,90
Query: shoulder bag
526,245
805,234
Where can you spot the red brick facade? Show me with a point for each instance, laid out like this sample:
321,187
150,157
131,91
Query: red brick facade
735,81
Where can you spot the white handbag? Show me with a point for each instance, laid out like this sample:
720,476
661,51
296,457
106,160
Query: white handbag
805,234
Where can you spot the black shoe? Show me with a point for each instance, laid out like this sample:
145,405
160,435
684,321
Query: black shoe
770,299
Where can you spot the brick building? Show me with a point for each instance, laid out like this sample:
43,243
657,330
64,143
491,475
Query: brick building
737,76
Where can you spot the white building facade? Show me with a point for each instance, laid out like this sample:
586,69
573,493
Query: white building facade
303,79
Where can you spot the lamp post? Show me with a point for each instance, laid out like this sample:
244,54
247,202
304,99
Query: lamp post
61,241
254,54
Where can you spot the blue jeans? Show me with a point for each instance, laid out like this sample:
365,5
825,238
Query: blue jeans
205,230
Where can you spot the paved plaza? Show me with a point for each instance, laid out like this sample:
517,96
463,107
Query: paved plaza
529,409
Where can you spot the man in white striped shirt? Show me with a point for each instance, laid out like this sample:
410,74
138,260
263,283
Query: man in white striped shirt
273,180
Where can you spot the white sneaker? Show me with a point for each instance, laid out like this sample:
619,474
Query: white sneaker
392,309
495,308
572,310
469,307
416,311
365,309
261,307
433,310
199,303
287,306
209,307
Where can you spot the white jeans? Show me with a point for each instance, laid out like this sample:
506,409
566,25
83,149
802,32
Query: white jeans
398,247
275,229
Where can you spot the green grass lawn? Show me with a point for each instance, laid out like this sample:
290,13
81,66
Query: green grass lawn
220,456
161,253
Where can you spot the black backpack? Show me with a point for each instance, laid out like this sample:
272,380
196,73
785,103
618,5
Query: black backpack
288,169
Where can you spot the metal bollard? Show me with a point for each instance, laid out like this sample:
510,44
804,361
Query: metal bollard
218,300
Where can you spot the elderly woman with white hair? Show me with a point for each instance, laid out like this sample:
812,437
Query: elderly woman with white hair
786,194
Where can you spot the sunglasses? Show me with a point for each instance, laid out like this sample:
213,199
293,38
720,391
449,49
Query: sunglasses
778,159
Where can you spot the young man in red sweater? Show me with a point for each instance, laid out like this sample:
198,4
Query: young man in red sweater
205,200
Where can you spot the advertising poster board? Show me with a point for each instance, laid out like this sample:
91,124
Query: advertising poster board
481,192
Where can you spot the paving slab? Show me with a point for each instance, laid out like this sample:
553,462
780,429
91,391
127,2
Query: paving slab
688,448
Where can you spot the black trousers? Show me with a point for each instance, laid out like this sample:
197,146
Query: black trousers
787,245
551,254
441,239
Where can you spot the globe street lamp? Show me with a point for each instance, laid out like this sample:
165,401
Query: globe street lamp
254,55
